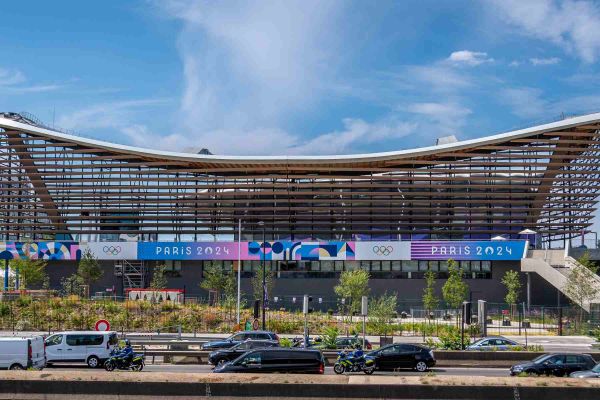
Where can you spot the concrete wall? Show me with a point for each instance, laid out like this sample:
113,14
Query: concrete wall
408,290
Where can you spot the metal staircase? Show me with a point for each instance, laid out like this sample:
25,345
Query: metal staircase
554,266
134,273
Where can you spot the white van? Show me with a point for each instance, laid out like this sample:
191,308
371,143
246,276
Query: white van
90,347
22,352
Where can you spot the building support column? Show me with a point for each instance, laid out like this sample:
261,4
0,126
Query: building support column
528,290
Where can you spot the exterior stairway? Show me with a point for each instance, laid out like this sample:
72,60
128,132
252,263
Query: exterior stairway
133,273
555,266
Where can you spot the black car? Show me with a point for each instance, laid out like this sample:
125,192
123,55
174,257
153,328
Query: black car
221,356
398,355
558,364
348,342
293,361
239,338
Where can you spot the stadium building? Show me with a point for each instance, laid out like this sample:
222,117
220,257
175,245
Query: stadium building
486,202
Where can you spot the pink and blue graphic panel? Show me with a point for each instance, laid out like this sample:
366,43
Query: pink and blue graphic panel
468,250
309,251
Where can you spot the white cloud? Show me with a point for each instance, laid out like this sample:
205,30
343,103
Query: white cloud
32,89
252,63
265,141
11,77
544,61
471,58
106,115
525,102
514,63
445,118
573,25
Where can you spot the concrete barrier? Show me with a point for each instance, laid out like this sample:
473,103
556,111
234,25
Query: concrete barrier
295,386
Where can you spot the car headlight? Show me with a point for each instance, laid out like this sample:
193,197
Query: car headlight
517,368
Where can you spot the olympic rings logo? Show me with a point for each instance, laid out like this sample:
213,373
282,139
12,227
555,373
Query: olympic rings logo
112,250
383,250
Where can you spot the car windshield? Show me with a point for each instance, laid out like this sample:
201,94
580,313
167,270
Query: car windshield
596,368
541,359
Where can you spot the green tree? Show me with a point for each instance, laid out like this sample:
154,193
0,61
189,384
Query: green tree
512,282
430,300
159,278
582,284
72,285
257,286
455,290
352,286
382,311
89,269
30,272
224,284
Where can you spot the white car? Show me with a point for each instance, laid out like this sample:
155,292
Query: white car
90,347
22,352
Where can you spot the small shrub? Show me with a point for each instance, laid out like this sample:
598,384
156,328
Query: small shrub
285,342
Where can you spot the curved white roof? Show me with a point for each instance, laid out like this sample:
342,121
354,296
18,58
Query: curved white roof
8,124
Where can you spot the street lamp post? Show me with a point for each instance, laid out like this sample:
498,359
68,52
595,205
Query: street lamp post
264,275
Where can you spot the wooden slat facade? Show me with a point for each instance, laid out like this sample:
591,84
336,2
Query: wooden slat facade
547,181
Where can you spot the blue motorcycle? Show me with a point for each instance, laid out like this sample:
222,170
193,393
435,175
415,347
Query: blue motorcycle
355,361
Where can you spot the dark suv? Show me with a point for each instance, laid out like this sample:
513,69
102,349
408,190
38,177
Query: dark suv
293,361
221,356
557,364
395,356
239,337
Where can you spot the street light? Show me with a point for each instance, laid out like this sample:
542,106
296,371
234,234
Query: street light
264,275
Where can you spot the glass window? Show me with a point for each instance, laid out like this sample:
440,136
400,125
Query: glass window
84,340
252,358
423,265
572,359
443,266
238,337
243,346
54,340
365,265
397,265
339,265
486,266
113,340
351,265
410,266
327,265
375,265
386,265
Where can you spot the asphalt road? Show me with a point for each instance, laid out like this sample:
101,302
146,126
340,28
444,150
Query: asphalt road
201,368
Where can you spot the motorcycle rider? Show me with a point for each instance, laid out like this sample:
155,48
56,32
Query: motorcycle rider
126,353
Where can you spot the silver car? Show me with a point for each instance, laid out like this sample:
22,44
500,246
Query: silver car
590,373
492,343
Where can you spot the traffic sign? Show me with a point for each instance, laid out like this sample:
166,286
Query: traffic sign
102,325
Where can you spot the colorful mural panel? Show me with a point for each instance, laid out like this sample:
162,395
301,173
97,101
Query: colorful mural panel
40,250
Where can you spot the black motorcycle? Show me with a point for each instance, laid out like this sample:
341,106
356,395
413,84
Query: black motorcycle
133,362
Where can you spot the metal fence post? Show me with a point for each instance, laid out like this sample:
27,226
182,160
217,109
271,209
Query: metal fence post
560,319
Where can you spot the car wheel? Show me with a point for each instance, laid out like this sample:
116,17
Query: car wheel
16,367
421,366
221,362
93,362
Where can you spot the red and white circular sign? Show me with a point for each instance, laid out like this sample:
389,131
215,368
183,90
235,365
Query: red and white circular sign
102,325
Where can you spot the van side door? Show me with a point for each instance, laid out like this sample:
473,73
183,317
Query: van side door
55,347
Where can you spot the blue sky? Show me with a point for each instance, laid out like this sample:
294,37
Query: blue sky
298,77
